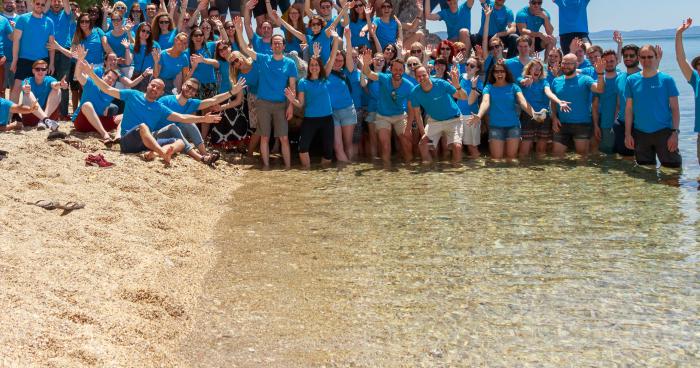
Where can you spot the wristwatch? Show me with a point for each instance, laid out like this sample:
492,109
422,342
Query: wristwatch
675,131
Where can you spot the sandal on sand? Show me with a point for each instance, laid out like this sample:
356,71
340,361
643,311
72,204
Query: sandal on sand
97,160
45,204
70,206
211,158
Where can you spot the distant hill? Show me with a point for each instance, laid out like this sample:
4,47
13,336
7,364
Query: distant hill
662,33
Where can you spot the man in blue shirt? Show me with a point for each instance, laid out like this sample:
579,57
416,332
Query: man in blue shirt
502,25
32,32
61,15
630,57
691,73
392,104
652,106
458,20
276,72
8,12
604,106
574,125
573,22
530,20
443,117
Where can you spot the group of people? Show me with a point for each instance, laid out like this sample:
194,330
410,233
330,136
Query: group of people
346,77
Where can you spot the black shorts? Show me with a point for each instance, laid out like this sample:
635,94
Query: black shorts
538,44
532,130
648,146
572,132
24,69
566,38
226,6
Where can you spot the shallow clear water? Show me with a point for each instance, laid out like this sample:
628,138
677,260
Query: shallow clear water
544,264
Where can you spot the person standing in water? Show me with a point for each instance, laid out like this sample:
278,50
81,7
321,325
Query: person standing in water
691,73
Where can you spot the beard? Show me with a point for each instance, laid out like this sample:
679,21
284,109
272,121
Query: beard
633,64
569,72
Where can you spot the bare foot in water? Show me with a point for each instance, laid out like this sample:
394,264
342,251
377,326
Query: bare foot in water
168,155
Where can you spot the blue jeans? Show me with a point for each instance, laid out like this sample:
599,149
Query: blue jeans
191,132
172,131
131,142
501,134
345,116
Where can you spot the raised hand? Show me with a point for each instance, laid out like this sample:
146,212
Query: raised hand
347,32
128,25
686,24
79,52
250,5
125,43
617,37
479,52
600,66
155,53
105,6
289,93
317,49
526,82
195,59
487,10
238,23
458,58
575,45
148,72
454,77
475,81
211,118
419,6
367,57
565,106
238,86
368,9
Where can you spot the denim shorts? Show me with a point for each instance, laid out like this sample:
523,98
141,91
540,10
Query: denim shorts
501,134
345,116
131,142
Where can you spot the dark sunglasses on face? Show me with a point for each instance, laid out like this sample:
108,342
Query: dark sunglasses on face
413,65
85,21
41,69
536,2
471,65
445,49
646,57
229,27
147,31
198,35
416,51
163,22
629,56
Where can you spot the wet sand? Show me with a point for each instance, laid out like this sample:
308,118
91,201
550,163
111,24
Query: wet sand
114,283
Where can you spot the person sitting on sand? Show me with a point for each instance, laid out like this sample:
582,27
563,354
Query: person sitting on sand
45,90
142,112
185,103
7,108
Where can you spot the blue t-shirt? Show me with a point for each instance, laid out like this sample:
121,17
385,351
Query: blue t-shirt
138,110
386,32
5,106
92,94
532,22
357,91
274,75
170,101
252,78
695,83
652,111
462,18
170,66
515,66
93,46
438,102
260,46
392,101
224,81
35,35
607,103
6,41
5,32
61,26
500,19
534,94
325,42
573,16
355,29
291,43
317,99
464,105
115,42
339,91
204,72
502,113
41,91
576,90
143,59
166,40
372,96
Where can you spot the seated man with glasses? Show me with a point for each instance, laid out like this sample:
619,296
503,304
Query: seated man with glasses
44,90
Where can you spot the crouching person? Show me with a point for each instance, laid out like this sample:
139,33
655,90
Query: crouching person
142,114
45,90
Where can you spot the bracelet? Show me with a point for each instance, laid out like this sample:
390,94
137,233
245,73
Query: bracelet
229,92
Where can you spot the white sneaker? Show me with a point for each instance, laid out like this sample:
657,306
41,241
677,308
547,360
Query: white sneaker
41,126
52,124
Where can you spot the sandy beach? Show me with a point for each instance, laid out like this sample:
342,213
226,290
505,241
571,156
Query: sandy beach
114,283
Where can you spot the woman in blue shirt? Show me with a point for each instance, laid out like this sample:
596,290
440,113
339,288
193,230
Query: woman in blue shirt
313,95
537,92
163,30
242,66
143,50
358,21
501,95
204,64
115,39
473,86
339,67
171,64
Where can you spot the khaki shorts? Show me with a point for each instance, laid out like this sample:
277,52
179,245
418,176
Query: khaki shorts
386,122
451,128
252,113
271,114
471,134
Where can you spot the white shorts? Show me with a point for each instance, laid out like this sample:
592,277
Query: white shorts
386,122
451,129
471,134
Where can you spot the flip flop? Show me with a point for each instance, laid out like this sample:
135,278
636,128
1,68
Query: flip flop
70,206
45,204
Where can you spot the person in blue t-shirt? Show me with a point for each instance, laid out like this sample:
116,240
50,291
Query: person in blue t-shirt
392,104
501,95
325,11
630,56
517,64
573,22
437,98
172,63
314,97
61,14
575,125
652,107
386,26
338,69
276,72
473,86
458,20
45,91
141,114
164,30
260,42
502,25
32,32
530,19
538,94
691,73
358,24
604,106
95,113
7,108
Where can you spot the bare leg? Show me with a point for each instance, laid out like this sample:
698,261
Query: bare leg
423,147
456,153
14,92
265,151
496,147
152,144
512,148
406,146
541,148
558,150
349,148
582,146
29,100
385,146
372,139
253,144
305,160
89,111
525,148
53,101
286,152
338,145
205,130
473,151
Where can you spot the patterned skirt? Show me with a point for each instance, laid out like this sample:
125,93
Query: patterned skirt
234,129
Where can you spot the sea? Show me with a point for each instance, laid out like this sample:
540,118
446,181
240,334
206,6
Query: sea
542,263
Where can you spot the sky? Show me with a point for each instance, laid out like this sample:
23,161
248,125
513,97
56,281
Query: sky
624,15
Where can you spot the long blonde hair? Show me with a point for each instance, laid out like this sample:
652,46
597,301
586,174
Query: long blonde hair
526,70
